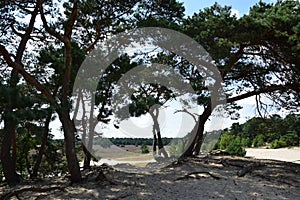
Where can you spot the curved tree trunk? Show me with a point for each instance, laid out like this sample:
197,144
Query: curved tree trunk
8,161
196,138
189,150
200,131
161,149
199,139
69,134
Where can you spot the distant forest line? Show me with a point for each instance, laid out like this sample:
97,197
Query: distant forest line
274,131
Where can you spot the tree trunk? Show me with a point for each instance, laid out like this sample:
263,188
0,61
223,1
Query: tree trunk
199,139
43,142
9,140
188,152
87,157
154,144
88,150
69,134
156,132
161,149
202,120
42,148
8,163
14,145
91,131
88,129
196,139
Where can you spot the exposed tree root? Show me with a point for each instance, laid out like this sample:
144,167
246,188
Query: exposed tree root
249,168
198,175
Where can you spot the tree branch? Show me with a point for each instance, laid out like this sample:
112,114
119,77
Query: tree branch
68,52
186,111
26,35
48,28
18,67
267,89
233,60
14,30
71,20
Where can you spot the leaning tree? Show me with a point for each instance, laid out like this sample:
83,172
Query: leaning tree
28,26
257,54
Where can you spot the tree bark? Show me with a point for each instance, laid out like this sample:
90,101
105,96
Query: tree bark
69,134
87,157
8,163
192,141
17,66
42,148
156,132
9,158
196,137
92,124
154,144
161,149
88,150
43,143
202,120
87,129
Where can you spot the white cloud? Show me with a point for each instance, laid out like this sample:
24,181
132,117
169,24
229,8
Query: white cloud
235,12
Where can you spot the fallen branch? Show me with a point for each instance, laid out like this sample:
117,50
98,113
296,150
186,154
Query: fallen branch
235,163
197,175
249,168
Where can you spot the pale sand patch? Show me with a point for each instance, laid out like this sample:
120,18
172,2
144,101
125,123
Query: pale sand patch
113,162
283,154
193,178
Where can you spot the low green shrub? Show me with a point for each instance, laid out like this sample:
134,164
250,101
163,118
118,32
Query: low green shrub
144,149
236,148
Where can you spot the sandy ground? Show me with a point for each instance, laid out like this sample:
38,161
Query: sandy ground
213,177
283,154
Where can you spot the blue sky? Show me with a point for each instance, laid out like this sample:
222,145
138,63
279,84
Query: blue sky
242,6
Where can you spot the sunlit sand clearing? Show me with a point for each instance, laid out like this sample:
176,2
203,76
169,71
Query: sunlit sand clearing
283,154
118,155
142,157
